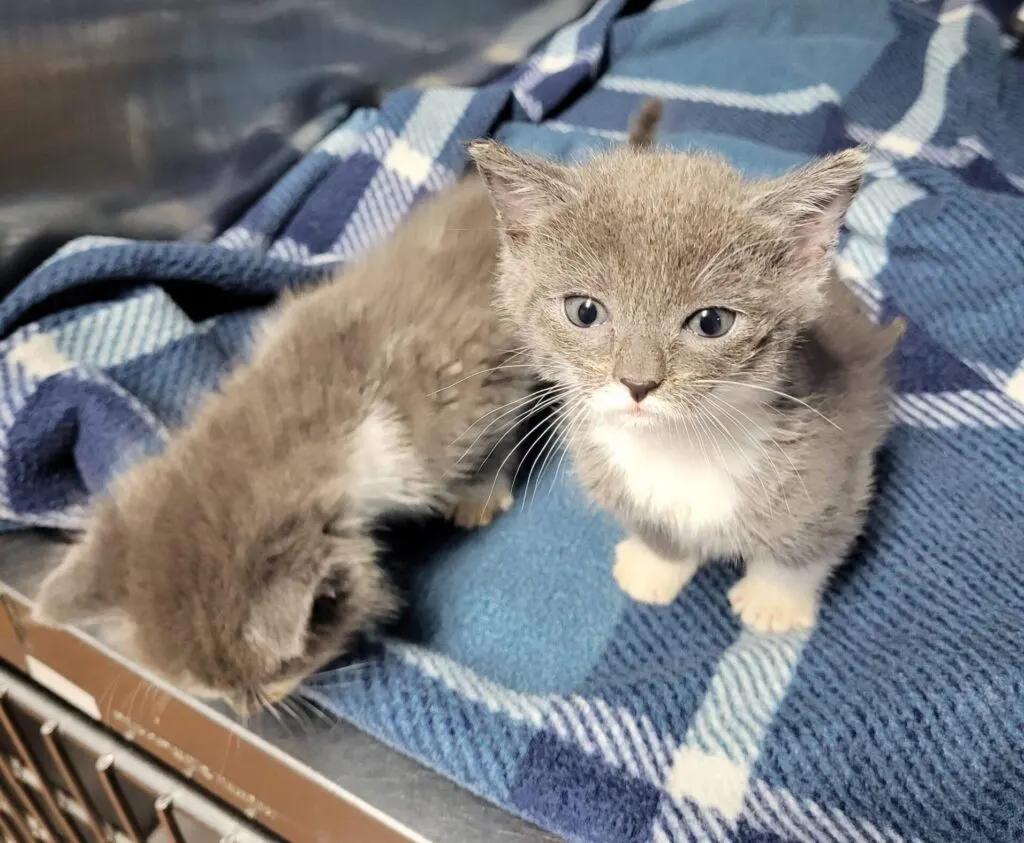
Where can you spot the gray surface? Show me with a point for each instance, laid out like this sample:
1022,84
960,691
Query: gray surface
418,798
410,793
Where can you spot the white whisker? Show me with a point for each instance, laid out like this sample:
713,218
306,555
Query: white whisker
510,408
548,423
582,414
498,368
521,417
511,453
781,394
553,439
764,452
722,402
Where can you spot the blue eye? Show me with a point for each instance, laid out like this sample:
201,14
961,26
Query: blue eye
711,322
585,312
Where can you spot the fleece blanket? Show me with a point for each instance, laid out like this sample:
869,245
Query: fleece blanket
534,681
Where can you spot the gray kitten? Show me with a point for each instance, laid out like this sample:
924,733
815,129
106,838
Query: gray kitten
725,394
241,559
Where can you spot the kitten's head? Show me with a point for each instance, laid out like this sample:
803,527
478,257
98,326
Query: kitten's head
641,281
222,591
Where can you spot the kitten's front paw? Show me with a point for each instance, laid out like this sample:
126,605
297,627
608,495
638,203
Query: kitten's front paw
648,578
766,607
480,505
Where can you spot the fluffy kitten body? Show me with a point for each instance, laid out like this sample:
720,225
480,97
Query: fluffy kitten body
241,559
725,394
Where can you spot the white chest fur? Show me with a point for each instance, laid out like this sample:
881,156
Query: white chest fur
688,483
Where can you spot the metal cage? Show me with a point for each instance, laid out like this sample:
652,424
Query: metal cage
63,778
94,748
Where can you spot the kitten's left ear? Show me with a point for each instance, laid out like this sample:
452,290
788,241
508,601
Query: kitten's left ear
523,189
279,618
813,200
347,590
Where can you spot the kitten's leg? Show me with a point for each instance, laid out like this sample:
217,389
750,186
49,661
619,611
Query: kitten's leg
479,504
487,494
649,577
772,597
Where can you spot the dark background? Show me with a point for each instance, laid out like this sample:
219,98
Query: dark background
163,118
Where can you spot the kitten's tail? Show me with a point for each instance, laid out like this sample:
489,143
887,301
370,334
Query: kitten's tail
645,123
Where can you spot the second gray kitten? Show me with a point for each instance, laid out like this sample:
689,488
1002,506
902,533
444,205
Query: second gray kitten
241,559
725,394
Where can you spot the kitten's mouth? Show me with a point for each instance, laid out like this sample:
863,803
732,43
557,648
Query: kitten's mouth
614,401
641,416
247,705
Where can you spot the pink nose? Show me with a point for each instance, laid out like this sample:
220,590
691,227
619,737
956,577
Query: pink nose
640,391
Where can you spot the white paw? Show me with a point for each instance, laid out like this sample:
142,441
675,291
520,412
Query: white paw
480,506
648,578
767,606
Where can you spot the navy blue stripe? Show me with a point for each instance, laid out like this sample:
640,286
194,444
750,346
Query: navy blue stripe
243,277
329,208
476,121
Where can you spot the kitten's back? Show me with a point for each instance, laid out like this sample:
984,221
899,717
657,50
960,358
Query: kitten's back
354,400
842,364
414,318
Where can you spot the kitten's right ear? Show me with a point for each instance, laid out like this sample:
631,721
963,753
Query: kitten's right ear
523,189
84,587
76,591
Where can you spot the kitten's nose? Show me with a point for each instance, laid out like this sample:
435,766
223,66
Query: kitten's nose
640,391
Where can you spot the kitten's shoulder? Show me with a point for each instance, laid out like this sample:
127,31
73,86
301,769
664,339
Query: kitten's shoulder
846,329
842,359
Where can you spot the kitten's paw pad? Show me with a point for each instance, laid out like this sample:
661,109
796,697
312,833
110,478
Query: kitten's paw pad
648,578
767,607
479,510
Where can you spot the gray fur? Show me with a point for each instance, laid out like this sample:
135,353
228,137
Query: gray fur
656,237
371,394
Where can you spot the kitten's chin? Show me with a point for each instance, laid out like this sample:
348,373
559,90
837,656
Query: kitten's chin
641,418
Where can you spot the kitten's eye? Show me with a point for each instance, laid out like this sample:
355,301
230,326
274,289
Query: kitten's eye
711,322
585,312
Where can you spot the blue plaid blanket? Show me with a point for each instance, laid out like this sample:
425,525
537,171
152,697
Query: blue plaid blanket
538,684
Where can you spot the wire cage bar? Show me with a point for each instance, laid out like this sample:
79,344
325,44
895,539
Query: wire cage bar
64,779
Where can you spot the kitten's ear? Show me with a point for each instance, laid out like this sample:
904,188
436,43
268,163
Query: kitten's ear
812,202
523,189
288,560
278,620
83,587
